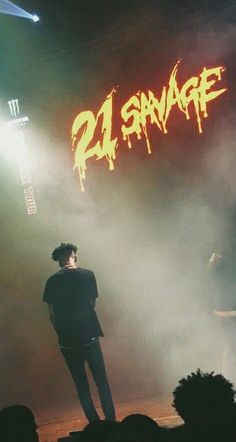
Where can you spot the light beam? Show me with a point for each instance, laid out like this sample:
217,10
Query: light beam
9,8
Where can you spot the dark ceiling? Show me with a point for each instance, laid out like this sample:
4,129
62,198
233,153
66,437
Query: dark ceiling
78,46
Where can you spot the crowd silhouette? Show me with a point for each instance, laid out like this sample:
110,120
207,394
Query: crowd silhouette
204,401
17,424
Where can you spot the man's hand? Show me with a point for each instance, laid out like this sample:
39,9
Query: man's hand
225,314
215,260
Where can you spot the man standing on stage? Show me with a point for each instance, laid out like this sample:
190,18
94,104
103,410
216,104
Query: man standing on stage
225,308
71,294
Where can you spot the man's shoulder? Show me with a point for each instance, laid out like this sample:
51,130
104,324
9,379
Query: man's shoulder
83,270
54,276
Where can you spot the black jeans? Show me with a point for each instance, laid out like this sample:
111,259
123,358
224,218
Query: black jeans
75,359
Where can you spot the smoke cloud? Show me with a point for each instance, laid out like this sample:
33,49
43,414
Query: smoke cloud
147,229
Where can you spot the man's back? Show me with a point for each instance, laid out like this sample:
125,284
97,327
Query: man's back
72,292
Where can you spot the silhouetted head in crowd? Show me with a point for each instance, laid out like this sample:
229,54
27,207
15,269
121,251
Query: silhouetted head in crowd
129,438
65,254
204,396
17,424
141,426
100,431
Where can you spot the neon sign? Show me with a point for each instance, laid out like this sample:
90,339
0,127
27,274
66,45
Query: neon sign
140,110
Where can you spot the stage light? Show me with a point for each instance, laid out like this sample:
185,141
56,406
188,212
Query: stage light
35,18
9,8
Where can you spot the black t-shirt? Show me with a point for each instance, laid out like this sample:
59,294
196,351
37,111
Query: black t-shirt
72,292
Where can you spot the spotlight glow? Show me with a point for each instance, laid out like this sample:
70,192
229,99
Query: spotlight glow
35,18
14,148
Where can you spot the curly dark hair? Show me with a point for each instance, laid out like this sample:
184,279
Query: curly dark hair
63,251
203,395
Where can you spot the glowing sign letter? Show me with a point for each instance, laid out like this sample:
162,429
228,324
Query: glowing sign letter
105,148
173,94
126,114
206,84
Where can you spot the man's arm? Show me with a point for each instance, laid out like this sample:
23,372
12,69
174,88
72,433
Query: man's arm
215,260
93,302
225,313
94,290
52,315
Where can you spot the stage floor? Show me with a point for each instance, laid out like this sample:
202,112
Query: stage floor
60,425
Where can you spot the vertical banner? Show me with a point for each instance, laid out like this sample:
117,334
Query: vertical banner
17,122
